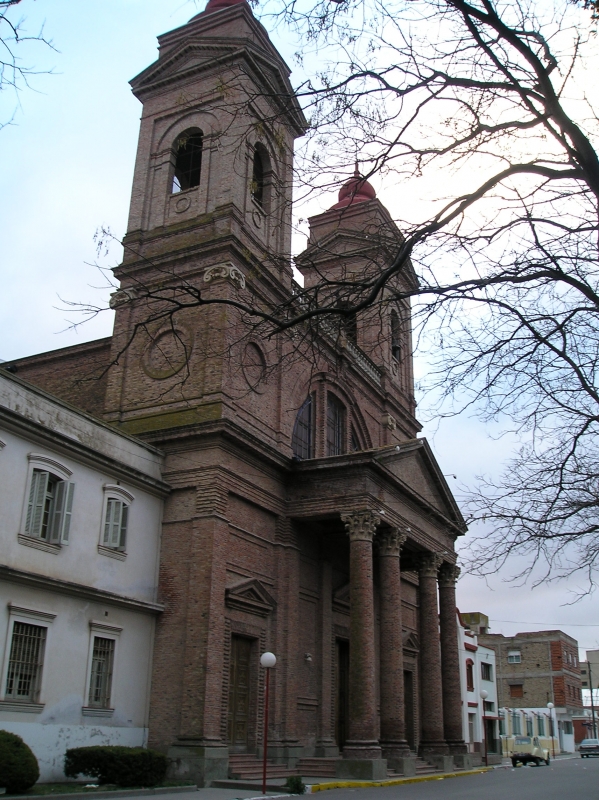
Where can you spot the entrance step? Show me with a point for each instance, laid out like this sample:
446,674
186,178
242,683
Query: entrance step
247,767
317,767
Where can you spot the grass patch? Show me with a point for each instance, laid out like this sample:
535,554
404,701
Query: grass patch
43,789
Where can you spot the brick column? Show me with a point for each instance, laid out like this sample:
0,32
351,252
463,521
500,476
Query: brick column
432,738
393,729
450,659
363,740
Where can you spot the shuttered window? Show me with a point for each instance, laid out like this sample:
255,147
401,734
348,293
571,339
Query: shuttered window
100,684
25,664
302,441
335,426
49,508
115,524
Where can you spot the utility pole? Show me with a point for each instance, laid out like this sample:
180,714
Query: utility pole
592,701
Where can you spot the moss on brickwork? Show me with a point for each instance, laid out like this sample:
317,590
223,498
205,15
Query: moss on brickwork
174,419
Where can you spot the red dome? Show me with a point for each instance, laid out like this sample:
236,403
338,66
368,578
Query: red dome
217,5
355,190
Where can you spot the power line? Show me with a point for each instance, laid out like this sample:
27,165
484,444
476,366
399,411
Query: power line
569,624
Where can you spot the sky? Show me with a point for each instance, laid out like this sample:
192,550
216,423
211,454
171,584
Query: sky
66,166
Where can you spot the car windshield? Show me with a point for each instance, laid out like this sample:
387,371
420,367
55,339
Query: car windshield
590,741
523,740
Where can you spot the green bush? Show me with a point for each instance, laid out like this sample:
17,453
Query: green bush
123,766
18,766
295,785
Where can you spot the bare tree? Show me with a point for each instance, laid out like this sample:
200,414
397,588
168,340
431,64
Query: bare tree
14,73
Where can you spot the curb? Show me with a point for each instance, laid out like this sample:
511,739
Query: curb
105,794
322,787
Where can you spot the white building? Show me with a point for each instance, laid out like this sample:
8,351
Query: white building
478,674
80,539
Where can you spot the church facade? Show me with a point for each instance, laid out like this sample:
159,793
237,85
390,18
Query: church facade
305,516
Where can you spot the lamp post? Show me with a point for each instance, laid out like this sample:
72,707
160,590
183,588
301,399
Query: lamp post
550,706
483,695
267,660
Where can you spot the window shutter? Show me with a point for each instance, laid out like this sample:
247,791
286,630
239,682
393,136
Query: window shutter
124,519
55,523
115,527
68,510
107,521
37,497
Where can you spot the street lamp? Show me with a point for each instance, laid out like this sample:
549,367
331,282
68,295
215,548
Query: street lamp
267,660
550,706
484,694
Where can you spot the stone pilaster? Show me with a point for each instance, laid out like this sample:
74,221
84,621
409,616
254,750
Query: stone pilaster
363,739
432,737
393,731
450,659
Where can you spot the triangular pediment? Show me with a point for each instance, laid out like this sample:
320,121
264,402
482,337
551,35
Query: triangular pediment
251,596
414,465
341,599
410,641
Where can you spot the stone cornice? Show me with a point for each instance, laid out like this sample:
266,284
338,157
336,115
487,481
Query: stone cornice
59,586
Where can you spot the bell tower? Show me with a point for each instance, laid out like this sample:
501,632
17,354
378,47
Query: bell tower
210,213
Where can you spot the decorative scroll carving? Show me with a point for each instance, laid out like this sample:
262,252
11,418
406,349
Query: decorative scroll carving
390,542
428,565
448,574
121,297
227,271
361,525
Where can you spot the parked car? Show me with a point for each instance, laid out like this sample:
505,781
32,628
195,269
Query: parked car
589,747
527,749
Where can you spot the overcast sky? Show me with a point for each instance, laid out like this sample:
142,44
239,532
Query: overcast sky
66,169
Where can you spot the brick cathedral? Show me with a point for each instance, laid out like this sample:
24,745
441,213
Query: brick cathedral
305,516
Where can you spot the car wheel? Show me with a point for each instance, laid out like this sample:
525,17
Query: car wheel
537,762
514,762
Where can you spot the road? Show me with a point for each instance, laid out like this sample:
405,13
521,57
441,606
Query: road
562,780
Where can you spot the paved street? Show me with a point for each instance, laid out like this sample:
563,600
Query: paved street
564,779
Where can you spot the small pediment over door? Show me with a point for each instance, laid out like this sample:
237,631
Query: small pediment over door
341,599
410,642
250,596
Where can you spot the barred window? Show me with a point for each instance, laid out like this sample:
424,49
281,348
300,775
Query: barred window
335,426
49,508
25,663
516,724
101,674
540,726
302,442
115,524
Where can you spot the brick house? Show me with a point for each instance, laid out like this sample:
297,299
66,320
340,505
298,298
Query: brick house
296,473
534,669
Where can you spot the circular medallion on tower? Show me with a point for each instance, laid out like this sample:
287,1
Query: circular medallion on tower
168,352
253,365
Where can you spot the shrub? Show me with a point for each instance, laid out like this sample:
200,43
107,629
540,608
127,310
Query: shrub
123,766
18,766
295,785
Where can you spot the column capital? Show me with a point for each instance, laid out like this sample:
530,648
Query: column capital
448,574
390,542
428,564
361,525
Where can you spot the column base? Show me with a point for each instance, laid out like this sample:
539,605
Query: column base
282,753
433,747
362,769
326,749
397,749
362,750
457,746
198,762
466,760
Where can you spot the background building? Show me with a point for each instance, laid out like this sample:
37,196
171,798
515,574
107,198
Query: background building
80,542
534,669
480,717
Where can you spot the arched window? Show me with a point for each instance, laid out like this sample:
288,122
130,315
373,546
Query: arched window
188,161
469,675
395,337
335,426
302,441
257,187
354,442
